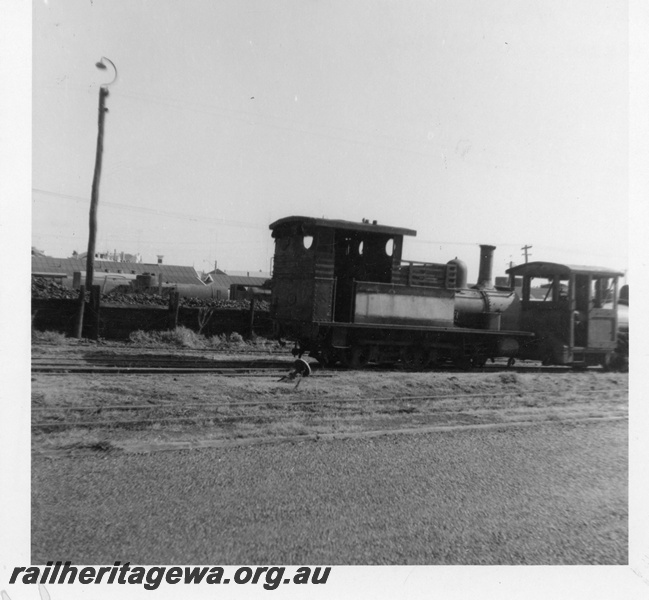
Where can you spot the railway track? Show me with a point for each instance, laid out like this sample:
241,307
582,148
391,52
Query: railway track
147,447
159,364
224,413
178,364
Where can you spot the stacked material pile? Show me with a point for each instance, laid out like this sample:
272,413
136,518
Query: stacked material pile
44,288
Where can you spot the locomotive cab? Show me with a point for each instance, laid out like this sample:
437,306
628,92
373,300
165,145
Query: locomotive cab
572,311
316,265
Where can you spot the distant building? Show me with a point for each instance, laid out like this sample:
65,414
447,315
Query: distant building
112,256
109,274
238,287
251,274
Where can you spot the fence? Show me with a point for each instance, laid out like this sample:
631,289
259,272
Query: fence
118,322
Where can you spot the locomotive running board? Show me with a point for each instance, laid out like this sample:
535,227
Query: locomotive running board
339,325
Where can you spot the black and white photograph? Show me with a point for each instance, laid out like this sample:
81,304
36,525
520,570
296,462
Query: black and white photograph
326,298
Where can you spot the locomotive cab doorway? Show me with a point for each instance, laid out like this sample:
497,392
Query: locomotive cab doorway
360,256
545,310
595,310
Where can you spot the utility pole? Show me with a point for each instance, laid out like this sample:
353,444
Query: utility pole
94,199
525,249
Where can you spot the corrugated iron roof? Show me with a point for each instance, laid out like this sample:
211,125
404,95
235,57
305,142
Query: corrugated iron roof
170,273
220,281
225,281
242,280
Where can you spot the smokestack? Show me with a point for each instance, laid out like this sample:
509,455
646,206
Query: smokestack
486,266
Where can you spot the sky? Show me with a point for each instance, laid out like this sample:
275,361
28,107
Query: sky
501,123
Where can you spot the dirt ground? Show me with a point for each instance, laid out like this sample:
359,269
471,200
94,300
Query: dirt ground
129,412
381,466
550,494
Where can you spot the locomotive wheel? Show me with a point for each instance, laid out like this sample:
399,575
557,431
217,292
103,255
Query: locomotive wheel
620,362
432,359
607,361
463,362
354,358
478,362
324,357
360,356
413,358
344,356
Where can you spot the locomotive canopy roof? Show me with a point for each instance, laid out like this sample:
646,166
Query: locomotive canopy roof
312,222
543,269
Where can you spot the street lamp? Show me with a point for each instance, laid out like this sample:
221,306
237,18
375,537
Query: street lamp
94,199
102,65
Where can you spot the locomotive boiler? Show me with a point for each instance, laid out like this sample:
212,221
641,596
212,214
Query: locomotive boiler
342,293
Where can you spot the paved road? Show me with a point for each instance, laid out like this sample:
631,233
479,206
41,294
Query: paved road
552,494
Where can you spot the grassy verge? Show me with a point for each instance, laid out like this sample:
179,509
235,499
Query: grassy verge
181,337
49,337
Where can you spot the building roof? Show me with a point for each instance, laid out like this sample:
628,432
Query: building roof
338,224
67,266
225,281
243,280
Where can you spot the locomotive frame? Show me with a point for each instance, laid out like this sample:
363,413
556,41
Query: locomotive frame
342,293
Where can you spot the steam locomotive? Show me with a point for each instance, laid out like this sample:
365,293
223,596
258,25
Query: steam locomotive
342,293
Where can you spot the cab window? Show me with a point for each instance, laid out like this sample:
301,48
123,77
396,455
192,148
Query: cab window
545,289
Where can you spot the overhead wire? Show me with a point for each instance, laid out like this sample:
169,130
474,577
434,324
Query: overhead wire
242,224
156,211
